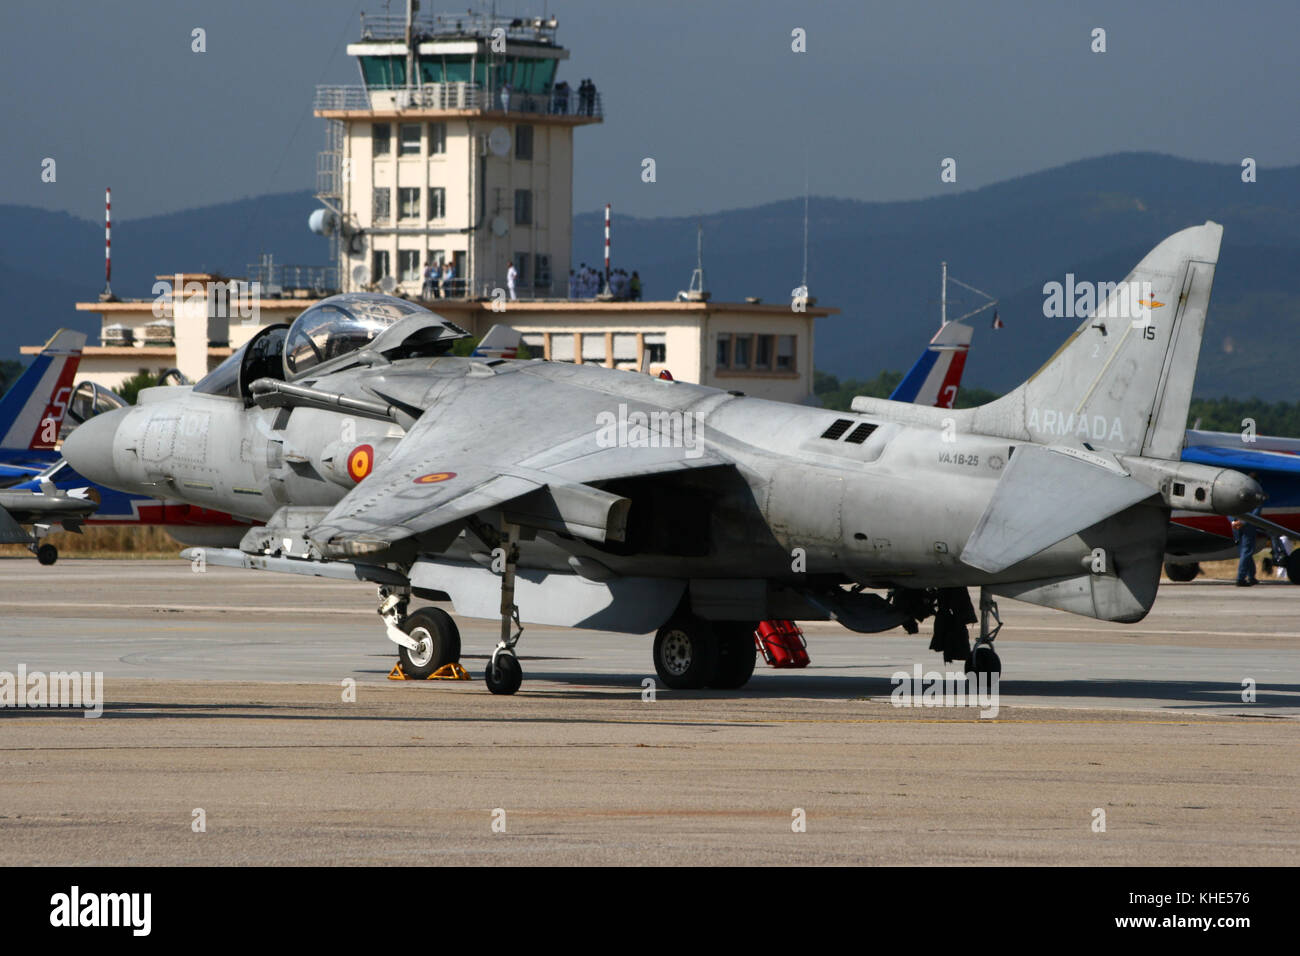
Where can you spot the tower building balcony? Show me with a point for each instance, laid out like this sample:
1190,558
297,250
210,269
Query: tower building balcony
569,107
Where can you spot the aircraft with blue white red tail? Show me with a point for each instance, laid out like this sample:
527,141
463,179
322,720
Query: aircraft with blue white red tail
32,411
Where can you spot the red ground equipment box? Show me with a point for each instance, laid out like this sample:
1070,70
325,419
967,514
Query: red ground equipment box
781,643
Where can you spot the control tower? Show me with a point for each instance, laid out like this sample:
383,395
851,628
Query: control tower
457,147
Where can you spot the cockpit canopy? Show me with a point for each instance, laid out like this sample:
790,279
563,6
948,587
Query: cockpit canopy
345,323
329,329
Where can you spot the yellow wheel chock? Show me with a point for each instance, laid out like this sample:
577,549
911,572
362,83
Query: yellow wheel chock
452,671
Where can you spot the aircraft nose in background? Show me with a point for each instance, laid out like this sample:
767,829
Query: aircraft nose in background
89,449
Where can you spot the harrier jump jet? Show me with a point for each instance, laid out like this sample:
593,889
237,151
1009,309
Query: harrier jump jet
567,494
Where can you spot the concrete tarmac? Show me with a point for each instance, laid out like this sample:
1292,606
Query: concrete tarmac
225,692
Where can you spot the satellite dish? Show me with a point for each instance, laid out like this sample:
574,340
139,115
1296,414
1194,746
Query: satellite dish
387,284
499,226
499,141
323,222
361,274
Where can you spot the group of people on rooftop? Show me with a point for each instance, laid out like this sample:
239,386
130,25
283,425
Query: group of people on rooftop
587,283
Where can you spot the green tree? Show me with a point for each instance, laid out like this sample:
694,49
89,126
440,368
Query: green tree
9,372
130,389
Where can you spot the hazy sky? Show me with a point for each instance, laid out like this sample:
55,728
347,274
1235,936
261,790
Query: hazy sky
710,89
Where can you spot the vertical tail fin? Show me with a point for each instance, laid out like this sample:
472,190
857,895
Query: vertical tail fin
1123,381
501,341
31,412
936,376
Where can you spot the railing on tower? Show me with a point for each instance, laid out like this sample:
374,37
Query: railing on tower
459,96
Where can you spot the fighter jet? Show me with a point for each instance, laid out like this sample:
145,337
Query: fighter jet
536,491
43,510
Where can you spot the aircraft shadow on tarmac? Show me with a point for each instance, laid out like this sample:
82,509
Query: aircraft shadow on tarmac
1195,695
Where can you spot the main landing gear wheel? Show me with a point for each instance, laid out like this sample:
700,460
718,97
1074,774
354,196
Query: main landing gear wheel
686,654
736,654
503,674
1292,565
439,641
1182,572
47,554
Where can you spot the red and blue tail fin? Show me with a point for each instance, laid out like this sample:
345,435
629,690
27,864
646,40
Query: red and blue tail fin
936,376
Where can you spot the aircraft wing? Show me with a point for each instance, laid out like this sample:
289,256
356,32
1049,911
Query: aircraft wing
454,464
1243,459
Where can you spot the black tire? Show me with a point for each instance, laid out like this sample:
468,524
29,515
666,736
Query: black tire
47,554
1292,565
507,677
440,640
736,655
983,660
686,653
1182,572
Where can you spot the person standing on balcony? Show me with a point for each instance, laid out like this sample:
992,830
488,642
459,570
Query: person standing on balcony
445,280
511,275
505,98
430,275
634,286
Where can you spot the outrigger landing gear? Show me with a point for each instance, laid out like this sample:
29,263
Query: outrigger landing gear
504,675
983,659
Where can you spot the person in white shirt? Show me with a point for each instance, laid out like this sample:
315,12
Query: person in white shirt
511,274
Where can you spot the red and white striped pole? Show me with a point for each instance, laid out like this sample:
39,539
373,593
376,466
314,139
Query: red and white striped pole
108,241
606,247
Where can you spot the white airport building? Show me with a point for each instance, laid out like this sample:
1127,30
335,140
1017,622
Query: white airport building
456,149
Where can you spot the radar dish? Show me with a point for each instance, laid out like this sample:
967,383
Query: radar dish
361,274
499,141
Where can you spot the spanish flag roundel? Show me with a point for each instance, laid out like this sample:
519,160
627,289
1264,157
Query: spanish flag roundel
360,460
435,477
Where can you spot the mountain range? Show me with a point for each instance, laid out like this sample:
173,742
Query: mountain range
879,263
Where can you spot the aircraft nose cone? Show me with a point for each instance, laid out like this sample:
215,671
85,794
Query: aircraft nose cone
89,449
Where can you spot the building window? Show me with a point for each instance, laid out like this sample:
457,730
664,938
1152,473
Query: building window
561,347
763,351
408,202
785,353
382,204
593,348
408,262
380,135
625,350
724,351
542,271
437,202
437,139
379,265
656,347
523,142
740,351
408,143
521,266
523,207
